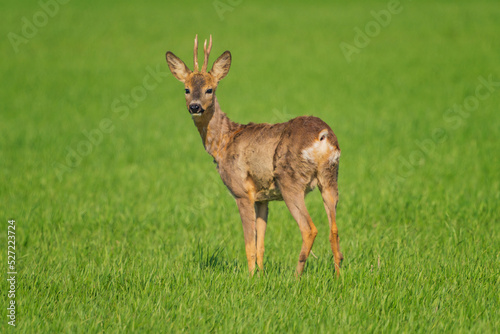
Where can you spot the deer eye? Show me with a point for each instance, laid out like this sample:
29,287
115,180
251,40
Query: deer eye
209,91
187,91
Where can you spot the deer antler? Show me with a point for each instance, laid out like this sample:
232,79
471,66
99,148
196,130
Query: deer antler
195,53
207,53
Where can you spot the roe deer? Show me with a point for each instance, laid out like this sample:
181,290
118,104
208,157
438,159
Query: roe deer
259,163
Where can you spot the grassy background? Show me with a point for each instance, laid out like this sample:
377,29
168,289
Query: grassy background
141,235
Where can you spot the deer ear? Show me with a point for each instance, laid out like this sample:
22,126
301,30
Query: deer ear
177,67
221,66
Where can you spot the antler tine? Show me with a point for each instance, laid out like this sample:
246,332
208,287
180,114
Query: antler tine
207,53
196,53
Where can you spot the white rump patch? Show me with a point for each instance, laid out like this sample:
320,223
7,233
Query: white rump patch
321,150
334,157
308,153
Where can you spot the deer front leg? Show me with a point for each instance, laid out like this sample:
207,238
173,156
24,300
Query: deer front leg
261,210
247,214
330,199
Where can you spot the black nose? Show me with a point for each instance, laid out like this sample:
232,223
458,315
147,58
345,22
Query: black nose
194,108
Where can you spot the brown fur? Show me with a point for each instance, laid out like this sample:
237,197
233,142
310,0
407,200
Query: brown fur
259,163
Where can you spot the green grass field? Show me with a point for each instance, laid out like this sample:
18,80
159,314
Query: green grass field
123,225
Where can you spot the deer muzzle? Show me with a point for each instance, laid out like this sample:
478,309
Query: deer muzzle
195,109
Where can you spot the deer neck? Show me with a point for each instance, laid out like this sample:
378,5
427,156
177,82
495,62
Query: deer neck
215,129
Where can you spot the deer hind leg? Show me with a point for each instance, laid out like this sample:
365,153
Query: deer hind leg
247,214
330,199
261,210
297,206
329,192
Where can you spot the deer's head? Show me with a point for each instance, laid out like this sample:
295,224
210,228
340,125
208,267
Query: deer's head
200,86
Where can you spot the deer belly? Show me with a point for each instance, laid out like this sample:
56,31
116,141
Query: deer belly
261,174
272,193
